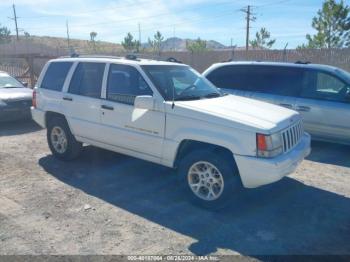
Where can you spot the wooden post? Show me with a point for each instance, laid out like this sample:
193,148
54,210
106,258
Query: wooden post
31,70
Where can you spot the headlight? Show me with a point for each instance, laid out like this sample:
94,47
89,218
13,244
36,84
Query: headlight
2,103
269,146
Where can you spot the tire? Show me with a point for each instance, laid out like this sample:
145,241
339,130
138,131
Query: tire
194,169
70,148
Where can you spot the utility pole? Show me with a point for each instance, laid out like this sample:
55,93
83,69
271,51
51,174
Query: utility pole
139,36
68,40
15,19
249,18
174,38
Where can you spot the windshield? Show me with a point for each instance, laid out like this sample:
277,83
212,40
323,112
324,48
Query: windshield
7,81
180,82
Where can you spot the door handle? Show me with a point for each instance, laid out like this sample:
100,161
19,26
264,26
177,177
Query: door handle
67,98
303,108
107,107
286,105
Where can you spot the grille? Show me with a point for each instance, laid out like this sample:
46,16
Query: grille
292,136
20,104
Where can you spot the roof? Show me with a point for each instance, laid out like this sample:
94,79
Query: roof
297,64
112,59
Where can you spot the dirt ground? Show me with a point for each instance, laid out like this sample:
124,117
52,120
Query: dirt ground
107,203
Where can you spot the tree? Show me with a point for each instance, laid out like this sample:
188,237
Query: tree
262,39
156,43
129,43
93,36
92,40
5,35
196,46
332,24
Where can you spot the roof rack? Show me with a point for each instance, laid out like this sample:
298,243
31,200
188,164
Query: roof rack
302,62
133,57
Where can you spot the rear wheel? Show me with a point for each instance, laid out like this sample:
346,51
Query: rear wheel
61,141
210,178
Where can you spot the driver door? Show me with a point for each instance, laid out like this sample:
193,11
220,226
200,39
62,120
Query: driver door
324,106
125,126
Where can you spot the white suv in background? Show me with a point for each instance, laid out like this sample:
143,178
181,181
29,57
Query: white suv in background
167,113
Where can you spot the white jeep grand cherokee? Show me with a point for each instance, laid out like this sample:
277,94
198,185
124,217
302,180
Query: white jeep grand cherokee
167,113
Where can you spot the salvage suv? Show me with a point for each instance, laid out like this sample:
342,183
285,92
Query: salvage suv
167,113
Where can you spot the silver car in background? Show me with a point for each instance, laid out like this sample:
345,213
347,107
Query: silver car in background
15,99
320,93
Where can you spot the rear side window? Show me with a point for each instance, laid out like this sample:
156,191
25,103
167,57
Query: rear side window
56,75
87,80
278,80
229,77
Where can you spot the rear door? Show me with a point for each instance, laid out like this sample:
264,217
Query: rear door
278,85
49,93
82,100
324,106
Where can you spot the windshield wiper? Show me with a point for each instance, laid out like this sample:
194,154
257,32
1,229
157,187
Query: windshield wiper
189,97
10,87
212,95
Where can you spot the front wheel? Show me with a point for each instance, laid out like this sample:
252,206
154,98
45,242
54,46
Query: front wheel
61,141
210,178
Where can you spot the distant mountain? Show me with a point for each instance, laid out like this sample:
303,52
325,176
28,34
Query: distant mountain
179,44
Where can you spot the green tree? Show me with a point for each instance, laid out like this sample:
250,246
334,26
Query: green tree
196,46
93,36
5,35
130,44
332,24
156,43
262,39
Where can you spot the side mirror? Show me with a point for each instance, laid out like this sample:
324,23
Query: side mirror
347,94
25,84
144,102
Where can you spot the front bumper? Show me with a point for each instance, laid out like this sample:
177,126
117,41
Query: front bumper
12,114
256,171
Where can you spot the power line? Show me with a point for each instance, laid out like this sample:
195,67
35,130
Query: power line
273,3
137,18
90,11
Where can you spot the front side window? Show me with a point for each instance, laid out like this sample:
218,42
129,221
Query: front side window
180,82
324,86
56,75
87,80
125,83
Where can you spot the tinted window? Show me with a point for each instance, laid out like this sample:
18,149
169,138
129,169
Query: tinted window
56,75
277,80
87,80
125,83
320,85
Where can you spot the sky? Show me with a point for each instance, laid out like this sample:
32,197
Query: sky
222,20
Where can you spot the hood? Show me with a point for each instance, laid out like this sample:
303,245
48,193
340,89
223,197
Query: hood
239,112
16,93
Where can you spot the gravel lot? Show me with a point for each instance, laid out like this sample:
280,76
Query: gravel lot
106,203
